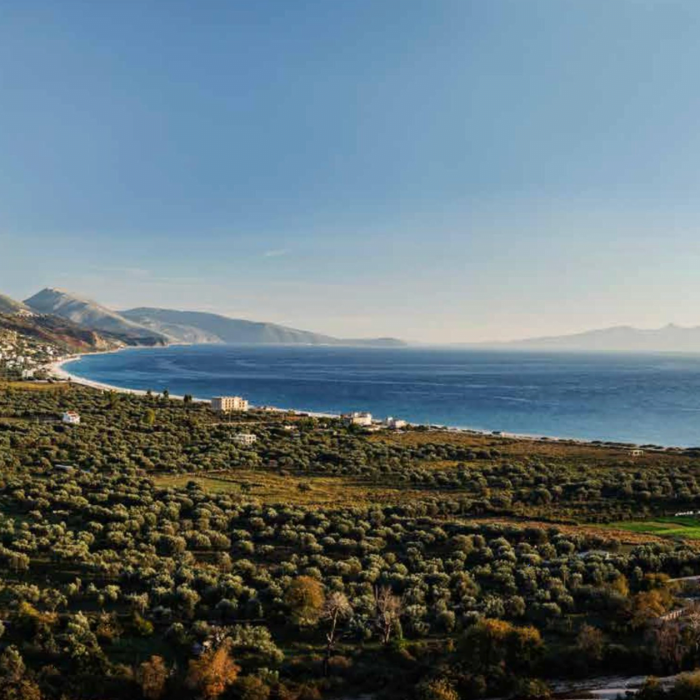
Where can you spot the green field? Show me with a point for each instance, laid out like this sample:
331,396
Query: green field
682,528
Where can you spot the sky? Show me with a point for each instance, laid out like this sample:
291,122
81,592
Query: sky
435,170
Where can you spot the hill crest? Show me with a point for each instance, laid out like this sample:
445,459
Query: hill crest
91,315
181,325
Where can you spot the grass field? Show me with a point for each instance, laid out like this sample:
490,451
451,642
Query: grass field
276,489
680,528
34,386
523,448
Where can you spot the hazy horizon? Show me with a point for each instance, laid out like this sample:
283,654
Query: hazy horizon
486,342
452,171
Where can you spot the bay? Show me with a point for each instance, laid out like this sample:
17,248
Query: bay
613,397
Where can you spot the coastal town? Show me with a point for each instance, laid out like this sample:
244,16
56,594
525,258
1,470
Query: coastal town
23,357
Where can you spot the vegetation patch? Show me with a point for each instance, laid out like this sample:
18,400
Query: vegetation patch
678,527
146,553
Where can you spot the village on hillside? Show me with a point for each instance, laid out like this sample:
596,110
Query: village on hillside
23,357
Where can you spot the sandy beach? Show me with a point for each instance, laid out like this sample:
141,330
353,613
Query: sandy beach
58,371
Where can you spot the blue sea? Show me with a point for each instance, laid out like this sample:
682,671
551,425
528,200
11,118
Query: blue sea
631,398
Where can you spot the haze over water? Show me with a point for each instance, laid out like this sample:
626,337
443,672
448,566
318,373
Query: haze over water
631,398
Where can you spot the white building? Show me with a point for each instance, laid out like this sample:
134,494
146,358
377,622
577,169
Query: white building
246,439
395,423
226,404
357,418
71,418
64,467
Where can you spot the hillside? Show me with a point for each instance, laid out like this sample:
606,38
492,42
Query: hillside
10,306
670,338
91,315
195,326
64,335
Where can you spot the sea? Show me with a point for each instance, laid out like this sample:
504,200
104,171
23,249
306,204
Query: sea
640,398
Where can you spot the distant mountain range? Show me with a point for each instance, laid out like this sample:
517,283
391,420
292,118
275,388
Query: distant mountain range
200,327
670,338
55,314
150,326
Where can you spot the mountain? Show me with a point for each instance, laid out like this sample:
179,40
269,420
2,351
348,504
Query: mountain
10,306
197,326
670,338
93,316
64,335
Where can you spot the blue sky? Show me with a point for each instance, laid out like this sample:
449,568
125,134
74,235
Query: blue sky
444,170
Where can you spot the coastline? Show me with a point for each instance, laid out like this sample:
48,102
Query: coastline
57,370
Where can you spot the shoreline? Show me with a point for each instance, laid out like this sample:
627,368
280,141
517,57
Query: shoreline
57,370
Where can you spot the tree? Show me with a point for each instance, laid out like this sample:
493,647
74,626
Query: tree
670,644
149,417
387,607
152,677
590,642
649,605
305,600
687,687
212,672
251,688
13,684
82,644
337,607
436,689
492,644
12,666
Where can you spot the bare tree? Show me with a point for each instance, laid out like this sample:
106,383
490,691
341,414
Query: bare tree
387,610
670,644
337,607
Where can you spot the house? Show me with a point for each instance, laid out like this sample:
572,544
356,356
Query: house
246,439
64,468
395,423
225,404
636,453
357,418
71,418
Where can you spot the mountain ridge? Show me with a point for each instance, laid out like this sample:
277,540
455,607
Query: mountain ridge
155,326
225,329
620,338
91,315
